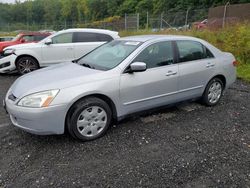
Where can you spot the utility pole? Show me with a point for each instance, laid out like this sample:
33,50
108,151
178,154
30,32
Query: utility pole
161,21
186,20
147,20
138,21
224,15
125,21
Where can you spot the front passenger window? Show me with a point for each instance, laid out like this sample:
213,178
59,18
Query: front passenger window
156,55
63,38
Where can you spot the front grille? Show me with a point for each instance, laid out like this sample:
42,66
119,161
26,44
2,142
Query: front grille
4,65
12,97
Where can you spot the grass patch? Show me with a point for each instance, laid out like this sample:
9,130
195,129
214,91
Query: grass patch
243,72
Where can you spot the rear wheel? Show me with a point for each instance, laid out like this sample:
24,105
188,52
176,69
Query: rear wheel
213,92
26,64
89,119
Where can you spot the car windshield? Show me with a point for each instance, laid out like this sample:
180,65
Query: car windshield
109,55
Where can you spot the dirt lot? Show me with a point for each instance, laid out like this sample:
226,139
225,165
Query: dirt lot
185,146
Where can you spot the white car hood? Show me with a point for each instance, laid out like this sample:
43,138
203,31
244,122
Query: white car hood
23,46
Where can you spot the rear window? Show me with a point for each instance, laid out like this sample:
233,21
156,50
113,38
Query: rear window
91,37
192,50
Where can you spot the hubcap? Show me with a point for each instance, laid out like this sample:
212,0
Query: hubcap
27,66
92,121
214,92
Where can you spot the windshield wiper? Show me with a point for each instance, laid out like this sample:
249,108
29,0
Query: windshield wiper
87,65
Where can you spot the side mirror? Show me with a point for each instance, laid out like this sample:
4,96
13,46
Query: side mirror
137,67
48,42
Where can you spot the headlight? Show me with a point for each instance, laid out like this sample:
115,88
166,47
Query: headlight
38,100
9,52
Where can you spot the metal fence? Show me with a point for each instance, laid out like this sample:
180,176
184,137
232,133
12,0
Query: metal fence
144,20
228,14
177,20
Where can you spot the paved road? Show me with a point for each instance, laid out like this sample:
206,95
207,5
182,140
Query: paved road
185,146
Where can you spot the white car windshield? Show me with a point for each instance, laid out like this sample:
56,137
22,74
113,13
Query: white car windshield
109,55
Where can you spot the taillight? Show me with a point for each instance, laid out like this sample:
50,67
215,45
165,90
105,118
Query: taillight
235,63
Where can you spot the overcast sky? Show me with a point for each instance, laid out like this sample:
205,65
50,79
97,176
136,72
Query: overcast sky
9,1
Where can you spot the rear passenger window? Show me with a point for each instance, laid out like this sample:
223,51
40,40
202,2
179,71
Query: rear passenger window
156,55
104,38
91,37
192,50
208,53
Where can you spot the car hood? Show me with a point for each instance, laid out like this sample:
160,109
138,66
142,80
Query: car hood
4,43
55,77
22,46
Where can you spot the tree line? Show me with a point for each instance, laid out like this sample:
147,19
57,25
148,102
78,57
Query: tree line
55,11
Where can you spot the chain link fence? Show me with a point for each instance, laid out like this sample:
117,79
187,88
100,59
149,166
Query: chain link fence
135,21
182,20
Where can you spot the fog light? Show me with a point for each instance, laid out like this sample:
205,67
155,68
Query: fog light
4,65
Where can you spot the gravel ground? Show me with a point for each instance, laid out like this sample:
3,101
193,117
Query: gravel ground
184,146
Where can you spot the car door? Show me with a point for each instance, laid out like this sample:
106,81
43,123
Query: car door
154,87
196,66
85,42
60,50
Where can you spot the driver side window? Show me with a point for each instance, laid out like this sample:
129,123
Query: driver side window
63,38
28,38
156,55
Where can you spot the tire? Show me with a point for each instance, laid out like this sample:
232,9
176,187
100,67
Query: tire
213,92
89,119
26,64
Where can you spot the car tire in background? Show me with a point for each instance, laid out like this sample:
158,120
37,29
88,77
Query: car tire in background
26,64
89,119
213,92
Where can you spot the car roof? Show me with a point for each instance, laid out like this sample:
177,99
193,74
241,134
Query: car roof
144,38
90,30
34,33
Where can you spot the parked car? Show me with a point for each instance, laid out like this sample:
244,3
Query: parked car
3,39
64,46
200,25
21,38
121,77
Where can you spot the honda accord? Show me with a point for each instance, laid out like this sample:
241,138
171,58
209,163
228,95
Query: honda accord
119,78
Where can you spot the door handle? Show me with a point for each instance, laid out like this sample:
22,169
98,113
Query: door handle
210,65
70,48
171,73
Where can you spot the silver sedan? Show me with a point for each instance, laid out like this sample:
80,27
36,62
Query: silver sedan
119,78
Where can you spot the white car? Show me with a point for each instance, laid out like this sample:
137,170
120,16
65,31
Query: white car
63,46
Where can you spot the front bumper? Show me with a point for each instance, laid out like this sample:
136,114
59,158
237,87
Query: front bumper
40,121
7,64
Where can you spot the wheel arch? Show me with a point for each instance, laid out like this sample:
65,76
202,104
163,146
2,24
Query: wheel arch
221,77
104,97
26,55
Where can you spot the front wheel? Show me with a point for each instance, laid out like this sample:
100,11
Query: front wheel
89,119
213,92
27,64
